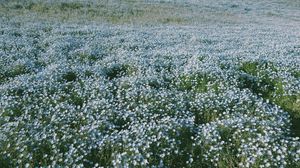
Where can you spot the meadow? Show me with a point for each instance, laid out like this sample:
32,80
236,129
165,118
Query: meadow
140,83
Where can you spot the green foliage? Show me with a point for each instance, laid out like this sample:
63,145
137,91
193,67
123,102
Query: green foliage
17,70
12,113
16,34
40,64
76,100
257,68
291,104
4,162
271,89
265,87
12,72
70,5
39,152
17,6
119,70
88,73
87,57
2,78
176,20
256,78
37,7
69,76
183,135
103,156
196,83
250,68
205,116
296,74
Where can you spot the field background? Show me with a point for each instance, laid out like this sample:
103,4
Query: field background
150,83
155,12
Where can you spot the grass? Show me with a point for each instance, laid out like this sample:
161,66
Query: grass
71,6
256,78
196,83
86,58
120,12
76,99
271,89
296,74
205,116
69,76
291,104
17,70
179,159
13,72
103,157
176,20
119,70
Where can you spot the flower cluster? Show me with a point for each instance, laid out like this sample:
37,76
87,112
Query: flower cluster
164,96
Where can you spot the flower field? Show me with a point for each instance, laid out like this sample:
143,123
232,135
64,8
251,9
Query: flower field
150,83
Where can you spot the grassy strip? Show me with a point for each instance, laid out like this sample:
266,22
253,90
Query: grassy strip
261,84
